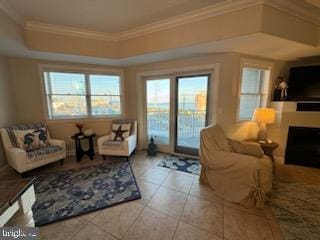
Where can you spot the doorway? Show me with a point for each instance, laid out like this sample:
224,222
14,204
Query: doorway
176,109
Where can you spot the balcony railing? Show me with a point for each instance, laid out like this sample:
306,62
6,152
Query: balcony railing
189,125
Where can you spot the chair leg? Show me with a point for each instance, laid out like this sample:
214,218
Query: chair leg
104,157
61,162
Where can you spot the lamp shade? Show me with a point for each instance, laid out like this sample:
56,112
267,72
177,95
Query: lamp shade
264,115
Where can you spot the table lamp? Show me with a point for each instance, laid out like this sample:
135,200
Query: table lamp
263,116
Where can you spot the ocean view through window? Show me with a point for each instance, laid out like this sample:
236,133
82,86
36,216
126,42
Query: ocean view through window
186,102
80,95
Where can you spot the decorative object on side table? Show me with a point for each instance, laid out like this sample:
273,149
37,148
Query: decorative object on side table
80,127
88,132
267,147
263,116
152,148
79,149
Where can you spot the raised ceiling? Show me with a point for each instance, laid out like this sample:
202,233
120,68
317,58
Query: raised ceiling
105,15
255,27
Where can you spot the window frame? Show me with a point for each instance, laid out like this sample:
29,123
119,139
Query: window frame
86,71
257,64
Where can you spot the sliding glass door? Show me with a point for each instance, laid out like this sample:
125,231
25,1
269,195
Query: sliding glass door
191,112
176,111
158,111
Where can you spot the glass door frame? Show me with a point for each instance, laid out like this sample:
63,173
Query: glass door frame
171,73
160,147
187,150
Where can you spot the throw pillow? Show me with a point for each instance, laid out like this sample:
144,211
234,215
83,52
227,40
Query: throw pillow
120,132
31,139
26,139
42,137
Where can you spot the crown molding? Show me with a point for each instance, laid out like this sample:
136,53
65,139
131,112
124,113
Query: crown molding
69,31
11,12
298,9
193,16
294,8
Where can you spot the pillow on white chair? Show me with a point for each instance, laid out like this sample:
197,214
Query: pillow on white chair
120,132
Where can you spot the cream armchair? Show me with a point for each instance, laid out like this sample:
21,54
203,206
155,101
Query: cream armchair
23,161
106,145
238,171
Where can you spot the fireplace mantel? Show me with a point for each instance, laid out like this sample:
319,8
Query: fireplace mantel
286,115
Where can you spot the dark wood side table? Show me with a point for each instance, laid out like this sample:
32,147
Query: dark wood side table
79,150
267,148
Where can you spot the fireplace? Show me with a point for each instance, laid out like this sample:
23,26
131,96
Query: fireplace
303,146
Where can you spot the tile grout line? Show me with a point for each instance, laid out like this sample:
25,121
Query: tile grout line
97,227
143,208
134,221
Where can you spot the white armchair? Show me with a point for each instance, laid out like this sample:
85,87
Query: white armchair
23,161
106,145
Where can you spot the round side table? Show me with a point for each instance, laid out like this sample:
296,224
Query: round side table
268,148
79,150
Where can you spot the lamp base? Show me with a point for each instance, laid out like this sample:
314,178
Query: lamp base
262,134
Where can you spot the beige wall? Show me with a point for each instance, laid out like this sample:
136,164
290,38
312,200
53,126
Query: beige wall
29,103
7,105
29,106
227,92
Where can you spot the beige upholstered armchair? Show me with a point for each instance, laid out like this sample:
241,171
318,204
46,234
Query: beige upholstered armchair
23,161
238,171
108,147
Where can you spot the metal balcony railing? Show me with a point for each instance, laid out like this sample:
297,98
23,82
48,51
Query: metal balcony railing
190,122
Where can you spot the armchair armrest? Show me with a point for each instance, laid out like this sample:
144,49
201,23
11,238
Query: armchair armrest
228,159
57,142
102,139
248,148
17,158
131,143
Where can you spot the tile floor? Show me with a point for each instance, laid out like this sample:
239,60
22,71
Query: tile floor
174,205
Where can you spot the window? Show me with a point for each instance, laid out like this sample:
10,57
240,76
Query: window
253,91
75,95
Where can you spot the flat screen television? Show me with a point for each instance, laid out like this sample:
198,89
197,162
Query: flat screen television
304,83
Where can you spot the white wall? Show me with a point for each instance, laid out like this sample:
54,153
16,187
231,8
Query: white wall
7,103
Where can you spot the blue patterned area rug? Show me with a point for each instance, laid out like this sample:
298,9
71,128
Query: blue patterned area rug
296,207
183,164
74,192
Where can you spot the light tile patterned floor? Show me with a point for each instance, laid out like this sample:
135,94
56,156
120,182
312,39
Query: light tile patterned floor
174,205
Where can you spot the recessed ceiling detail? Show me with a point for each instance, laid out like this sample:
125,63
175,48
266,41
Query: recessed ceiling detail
109,16
256,27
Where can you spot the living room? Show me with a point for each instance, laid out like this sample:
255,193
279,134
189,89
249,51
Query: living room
196,77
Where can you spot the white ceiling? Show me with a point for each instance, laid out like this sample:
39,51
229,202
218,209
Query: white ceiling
104,15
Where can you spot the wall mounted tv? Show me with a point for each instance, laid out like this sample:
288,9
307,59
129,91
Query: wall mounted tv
304,83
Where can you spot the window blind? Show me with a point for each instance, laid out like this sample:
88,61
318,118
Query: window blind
254,89
73,95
